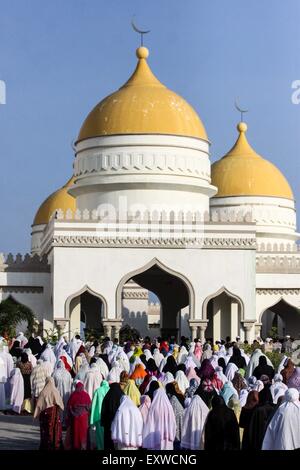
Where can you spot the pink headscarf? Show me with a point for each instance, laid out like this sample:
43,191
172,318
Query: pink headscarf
145,406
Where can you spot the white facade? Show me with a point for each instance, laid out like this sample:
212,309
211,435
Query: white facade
148,219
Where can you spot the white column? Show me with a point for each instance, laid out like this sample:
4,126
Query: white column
234,327
216,320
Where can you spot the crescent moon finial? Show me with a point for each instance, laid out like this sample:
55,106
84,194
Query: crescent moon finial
139,31
238,108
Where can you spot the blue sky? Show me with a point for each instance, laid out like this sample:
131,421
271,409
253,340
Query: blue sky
59,58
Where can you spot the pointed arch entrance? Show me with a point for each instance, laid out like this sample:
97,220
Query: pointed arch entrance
224,312
173,290
85,311
280,319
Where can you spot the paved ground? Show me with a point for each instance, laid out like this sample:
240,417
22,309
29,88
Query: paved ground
19,433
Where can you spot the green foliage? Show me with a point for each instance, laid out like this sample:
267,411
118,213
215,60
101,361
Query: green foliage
12,313
92,334
52,335
273,332
127,333
275,357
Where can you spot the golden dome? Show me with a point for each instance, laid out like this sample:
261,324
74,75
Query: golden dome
143,106
60,199
242,172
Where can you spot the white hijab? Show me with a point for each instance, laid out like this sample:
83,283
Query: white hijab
182,381
254,360
160,429
16,384
127,426
92,380
193,424
230,371
103,369
278,388
283,431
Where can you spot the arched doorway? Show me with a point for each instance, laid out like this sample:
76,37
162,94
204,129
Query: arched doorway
281,319
86,310
172,290
224,312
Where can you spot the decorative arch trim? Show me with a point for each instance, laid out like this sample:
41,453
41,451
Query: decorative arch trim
163,267
86,288
281,298
222,290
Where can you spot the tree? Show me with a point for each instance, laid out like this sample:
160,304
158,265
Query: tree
12,313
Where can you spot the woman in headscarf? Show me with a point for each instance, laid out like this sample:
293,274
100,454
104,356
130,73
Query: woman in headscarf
260,419
102,366
234,404
246,415
177,402
263,369
283,431
222,363
31,357
48,408
16,349
110,405
288,370
63,383
92,380
192,374
139,374
294,380
227,392
124,377
49,356
206,391
198,351
157,356
237,358
151,367
170,366
254,361
26,369
206,370
160,429
167,378
127,426
231,369
16,390
221,431
95,418
132,392
193,424
190,392
239,383
153,386
144,407
182,381
278,388
77,419
207,352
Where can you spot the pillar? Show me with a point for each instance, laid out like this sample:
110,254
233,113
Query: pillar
234,327
193,332
248,326
107,328
202,328
216,320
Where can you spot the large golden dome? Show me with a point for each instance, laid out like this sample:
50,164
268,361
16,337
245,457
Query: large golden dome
60,199
143,106
242,172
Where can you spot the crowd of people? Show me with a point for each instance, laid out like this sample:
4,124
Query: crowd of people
152,394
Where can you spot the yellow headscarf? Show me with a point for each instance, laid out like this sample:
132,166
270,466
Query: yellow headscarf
132,392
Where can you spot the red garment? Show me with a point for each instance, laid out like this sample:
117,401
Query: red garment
77,419
164,345
67,365
50,429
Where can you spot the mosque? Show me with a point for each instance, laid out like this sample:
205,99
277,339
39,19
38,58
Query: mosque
145,216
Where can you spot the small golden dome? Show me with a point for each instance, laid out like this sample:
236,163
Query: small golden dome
60,199
242,172
143,105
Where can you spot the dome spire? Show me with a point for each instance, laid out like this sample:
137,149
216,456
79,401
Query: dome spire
139,31
240,110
